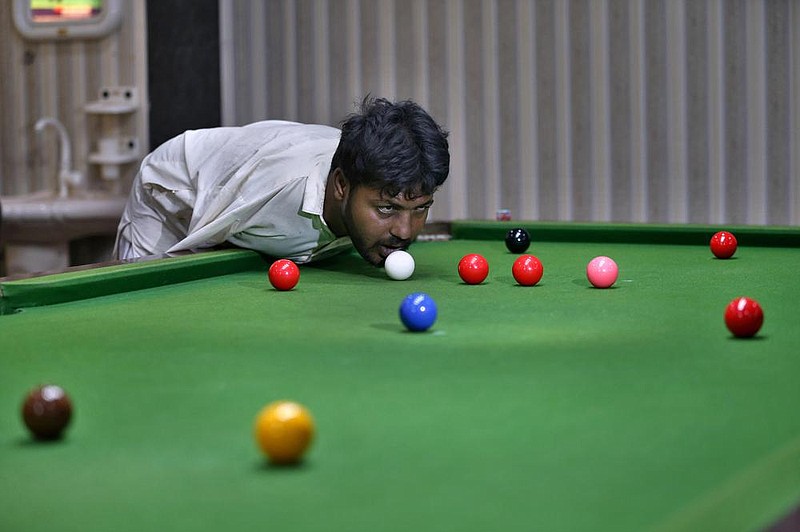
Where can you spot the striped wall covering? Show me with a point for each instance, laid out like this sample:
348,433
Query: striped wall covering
57,79
592,110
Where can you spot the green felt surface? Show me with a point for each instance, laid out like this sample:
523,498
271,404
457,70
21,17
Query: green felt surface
557,407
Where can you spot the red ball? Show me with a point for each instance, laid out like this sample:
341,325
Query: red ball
527,270
284,274
723,245
473,268
744,317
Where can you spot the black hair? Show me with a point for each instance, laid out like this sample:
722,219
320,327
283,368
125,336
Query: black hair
394,146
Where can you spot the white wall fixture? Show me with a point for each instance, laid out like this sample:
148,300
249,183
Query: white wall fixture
114,104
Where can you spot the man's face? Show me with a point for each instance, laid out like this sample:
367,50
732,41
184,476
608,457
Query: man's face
379,224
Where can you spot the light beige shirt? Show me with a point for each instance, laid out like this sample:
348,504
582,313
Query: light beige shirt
260,187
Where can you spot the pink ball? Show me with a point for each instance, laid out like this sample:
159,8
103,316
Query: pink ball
602,272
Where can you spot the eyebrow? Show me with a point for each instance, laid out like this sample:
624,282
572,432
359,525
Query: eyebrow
394,203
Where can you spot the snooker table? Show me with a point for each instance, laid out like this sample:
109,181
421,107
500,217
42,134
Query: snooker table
553,407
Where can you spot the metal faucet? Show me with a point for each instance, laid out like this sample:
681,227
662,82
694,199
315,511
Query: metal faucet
66,175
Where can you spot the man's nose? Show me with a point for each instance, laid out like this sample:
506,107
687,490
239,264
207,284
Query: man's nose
403,228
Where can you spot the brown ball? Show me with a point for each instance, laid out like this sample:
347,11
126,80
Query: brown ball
47,411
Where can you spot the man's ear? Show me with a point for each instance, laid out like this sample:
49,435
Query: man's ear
341,186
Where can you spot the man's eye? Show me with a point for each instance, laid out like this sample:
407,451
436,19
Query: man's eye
386,209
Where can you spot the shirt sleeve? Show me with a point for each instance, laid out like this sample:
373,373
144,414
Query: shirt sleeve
160,205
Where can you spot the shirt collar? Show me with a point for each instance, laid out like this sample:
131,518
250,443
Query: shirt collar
314,193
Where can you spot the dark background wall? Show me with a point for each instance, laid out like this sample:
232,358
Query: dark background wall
183,66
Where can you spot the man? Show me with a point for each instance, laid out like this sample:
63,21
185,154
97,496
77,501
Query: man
290,190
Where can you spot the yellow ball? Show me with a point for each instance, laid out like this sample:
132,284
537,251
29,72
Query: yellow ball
283,431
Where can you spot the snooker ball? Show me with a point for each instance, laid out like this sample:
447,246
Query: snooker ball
418,312
527,270
46,411
743,317
602,272
283,431
518,240
399,265
723,245
284,274
473,268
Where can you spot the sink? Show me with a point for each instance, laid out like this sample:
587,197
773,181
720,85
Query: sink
45,217
39,230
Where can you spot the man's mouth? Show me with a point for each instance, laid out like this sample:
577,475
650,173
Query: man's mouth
385,251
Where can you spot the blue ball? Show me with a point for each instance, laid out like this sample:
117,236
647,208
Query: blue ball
418,312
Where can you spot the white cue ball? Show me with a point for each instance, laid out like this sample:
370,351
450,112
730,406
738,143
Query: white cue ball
399,265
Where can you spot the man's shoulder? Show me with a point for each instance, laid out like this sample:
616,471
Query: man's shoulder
280,133
294,127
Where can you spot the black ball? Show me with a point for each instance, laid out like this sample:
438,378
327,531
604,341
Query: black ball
518,240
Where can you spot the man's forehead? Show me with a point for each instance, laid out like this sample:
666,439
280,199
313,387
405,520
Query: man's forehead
406,197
